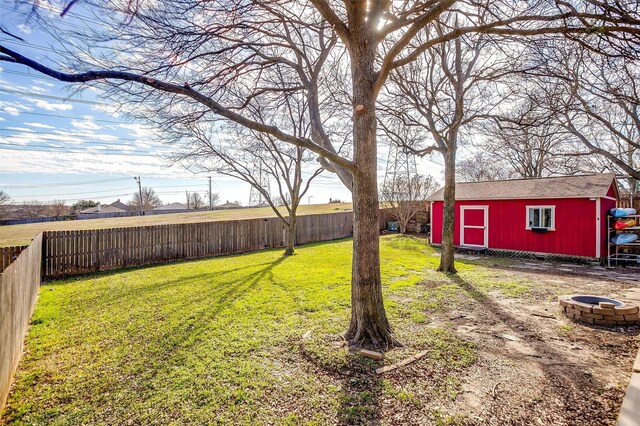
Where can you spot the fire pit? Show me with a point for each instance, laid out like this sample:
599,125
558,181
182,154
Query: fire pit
599,310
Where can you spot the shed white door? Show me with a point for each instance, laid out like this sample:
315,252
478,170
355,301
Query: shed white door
474,226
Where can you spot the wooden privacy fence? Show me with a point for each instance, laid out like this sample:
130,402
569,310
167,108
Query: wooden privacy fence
8,255
19,284
626,202
67,253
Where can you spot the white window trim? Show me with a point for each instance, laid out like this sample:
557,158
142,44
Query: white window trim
553,216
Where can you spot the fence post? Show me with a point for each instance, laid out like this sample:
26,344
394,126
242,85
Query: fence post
109,249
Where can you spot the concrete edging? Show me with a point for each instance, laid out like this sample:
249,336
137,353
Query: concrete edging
630,410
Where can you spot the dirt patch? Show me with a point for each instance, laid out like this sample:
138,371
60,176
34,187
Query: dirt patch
540,370
499,352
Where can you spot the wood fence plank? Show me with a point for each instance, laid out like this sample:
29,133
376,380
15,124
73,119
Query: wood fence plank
69,253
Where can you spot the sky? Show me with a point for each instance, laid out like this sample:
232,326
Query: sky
60,143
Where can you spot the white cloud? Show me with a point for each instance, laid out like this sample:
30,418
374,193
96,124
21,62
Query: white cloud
39,125
45,83
12,111
23,138
138,129
38,89
3,119
65,136
13,108
111,110
50,106
97,136
24,28
85,125
21,159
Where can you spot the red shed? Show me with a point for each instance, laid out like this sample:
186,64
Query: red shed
557,215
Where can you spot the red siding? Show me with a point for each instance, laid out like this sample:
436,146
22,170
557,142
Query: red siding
575,226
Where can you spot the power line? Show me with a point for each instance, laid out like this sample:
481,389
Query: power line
26,74
88,18
18,145
59,98
66,151
93,194
32,46
67,134
70,193
52,184
77,118
176,186
179,192
61,21
26,198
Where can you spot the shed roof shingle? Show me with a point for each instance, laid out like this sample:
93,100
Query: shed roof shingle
595,185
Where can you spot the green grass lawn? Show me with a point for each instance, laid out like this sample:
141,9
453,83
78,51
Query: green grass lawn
15,235
248,339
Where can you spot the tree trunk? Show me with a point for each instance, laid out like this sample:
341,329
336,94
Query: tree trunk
369,324
291,235
448,220
403,227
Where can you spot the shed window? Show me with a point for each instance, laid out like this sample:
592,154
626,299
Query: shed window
541,217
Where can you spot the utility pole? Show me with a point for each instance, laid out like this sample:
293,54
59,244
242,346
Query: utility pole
137,179
309,198
210,200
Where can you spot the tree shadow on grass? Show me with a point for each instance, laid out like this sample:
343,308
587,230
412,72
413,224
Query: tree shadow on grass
151,340
208,278
211,299
361,388
151,343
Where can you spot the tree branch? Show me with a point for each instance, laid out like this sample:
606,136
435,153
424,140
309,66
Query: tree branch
184,90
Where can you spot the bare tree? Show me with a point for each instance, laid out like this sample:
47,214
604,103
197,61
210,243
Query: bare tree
257,158
34,209
150,200
406,196
195,201
251,157
215,198
591,102
5,199
440,96
58,208
482,166
230,54
522,144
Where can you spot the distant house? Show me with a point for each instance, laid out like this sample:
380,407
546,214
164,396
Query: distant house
102,209
557,215
229,205
122,206
172,206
